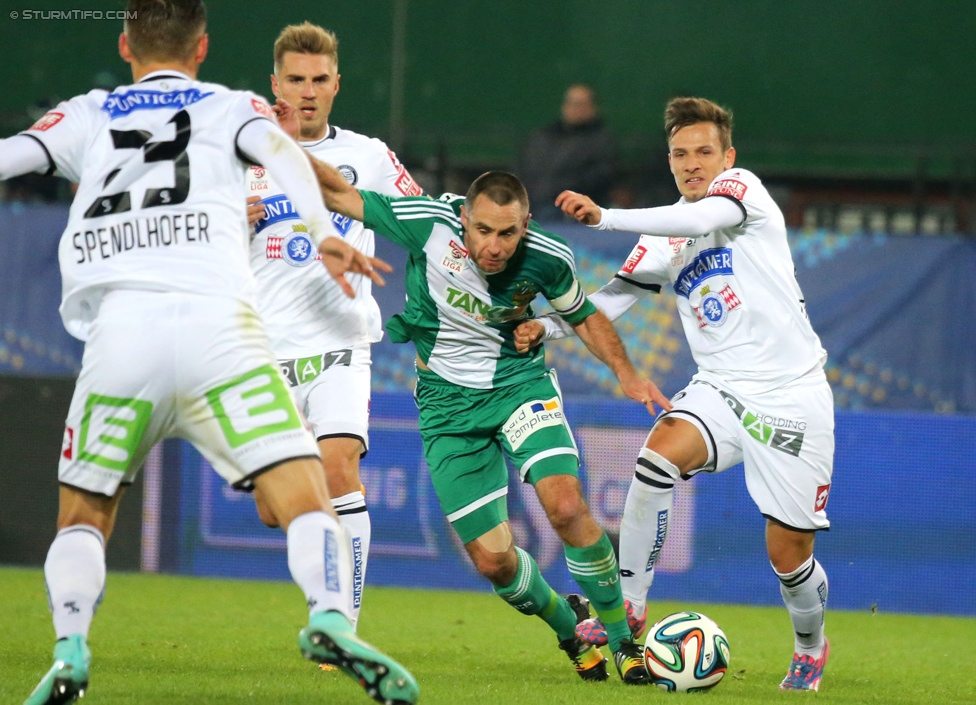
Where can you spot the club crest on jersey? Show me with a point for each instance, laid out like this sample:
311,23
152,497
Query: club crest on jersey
348,173
297,249
525,293
454,257
121,104
714,307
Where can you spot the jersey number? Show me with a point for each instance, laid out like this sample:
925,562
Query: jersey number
171,151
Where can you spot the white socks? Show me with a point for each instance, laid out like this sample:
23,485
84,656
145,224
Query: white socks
318,558
644,525
805,593
75,575
354,518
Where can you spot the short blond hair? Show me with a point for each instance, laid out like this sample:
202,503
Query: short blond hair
305,38
684,112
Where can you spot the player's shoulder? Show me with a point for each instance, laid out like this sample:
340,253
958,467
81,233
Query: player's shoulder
446,208
343,137
547,246
737,183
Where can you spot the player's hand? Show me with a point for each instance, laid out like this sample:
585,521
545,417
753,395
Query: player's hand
255,210
528,334
287,117
646,392
578,206
341,258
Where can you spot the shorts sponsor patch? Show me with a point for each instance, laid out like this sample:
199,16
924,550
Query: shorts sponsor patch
530,417
779,433
823,493
632,261
728,187
47,121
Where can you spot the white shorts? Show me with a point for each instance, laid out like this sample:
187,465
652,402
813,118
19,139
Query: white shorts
161,365
332,390
784,438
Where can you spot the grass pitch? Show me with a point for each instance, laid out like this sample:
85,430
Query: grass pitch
161,639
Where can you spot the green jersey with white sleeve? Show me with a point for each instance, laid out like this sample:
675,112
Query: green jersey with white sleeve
460,319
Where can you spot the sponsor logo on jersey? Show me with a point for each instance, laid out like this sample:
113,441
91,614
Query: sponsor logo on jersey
121,104
47,121
341,222
728,187
635,257
823,493
297,249
471,306
68,443
404,183
276,209
714,308
262,108
348,173
529,418
454,257
708,263
782,434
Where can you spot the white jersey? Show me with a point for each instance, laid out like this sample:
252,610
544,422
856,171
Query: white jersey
158,206
304,310
741,307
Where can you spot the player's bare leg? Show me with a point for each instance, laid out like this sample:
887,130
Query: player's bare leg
295,495
804,587
74,573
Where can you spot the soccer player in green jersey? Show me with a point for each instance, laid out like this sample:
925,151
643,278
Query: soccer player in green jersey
476,263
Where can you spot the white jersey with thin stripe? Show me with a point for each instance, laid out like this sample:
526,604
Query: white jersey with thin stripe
741,307
158,206
304,310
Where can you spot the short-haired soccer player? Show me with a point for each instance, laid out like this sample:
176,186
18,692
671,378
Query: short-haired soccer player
476,264
320,336
156,281
760,396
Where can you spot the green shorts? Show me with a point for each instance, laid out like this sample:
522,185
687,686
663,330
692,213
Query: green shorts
467,434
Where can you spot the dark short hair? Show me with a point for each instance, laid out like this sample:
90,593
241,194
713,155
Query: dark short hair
500,186
684,112
164,30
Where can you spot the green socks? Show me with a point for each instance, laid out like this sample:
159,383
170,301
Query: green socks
529,593
595,569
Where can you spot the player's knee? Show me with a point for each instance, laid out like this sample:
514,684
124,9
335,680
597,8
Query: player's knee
566,510
493,554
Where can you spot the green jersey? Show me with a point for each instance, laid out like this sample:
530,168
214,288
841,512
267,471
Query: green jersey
461,320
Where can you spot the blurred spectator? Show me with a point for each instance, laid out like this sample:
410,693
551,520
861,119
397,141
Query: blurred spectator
576,152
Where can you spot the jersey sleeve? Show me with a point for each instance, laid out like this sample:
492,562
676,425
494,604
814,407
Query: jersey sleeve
245,108
391,178
647,266
406,221
743,188
561,287
64,133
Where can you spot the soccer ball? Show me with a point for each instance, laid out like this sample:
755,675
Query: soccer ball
686,652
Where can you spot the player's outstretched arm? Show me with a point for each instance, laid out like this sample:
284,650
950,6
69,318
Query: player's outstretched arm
602,340
340,196
680,220
22,154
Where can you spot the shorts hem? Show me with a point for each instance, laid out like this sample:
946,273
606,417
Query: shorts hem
327,436
246,483
701,425
94,493
782,523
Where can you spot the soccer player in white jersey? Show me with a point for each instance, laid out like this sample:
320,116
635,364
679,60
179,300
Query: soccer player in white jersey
156,281
320,336
760,395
